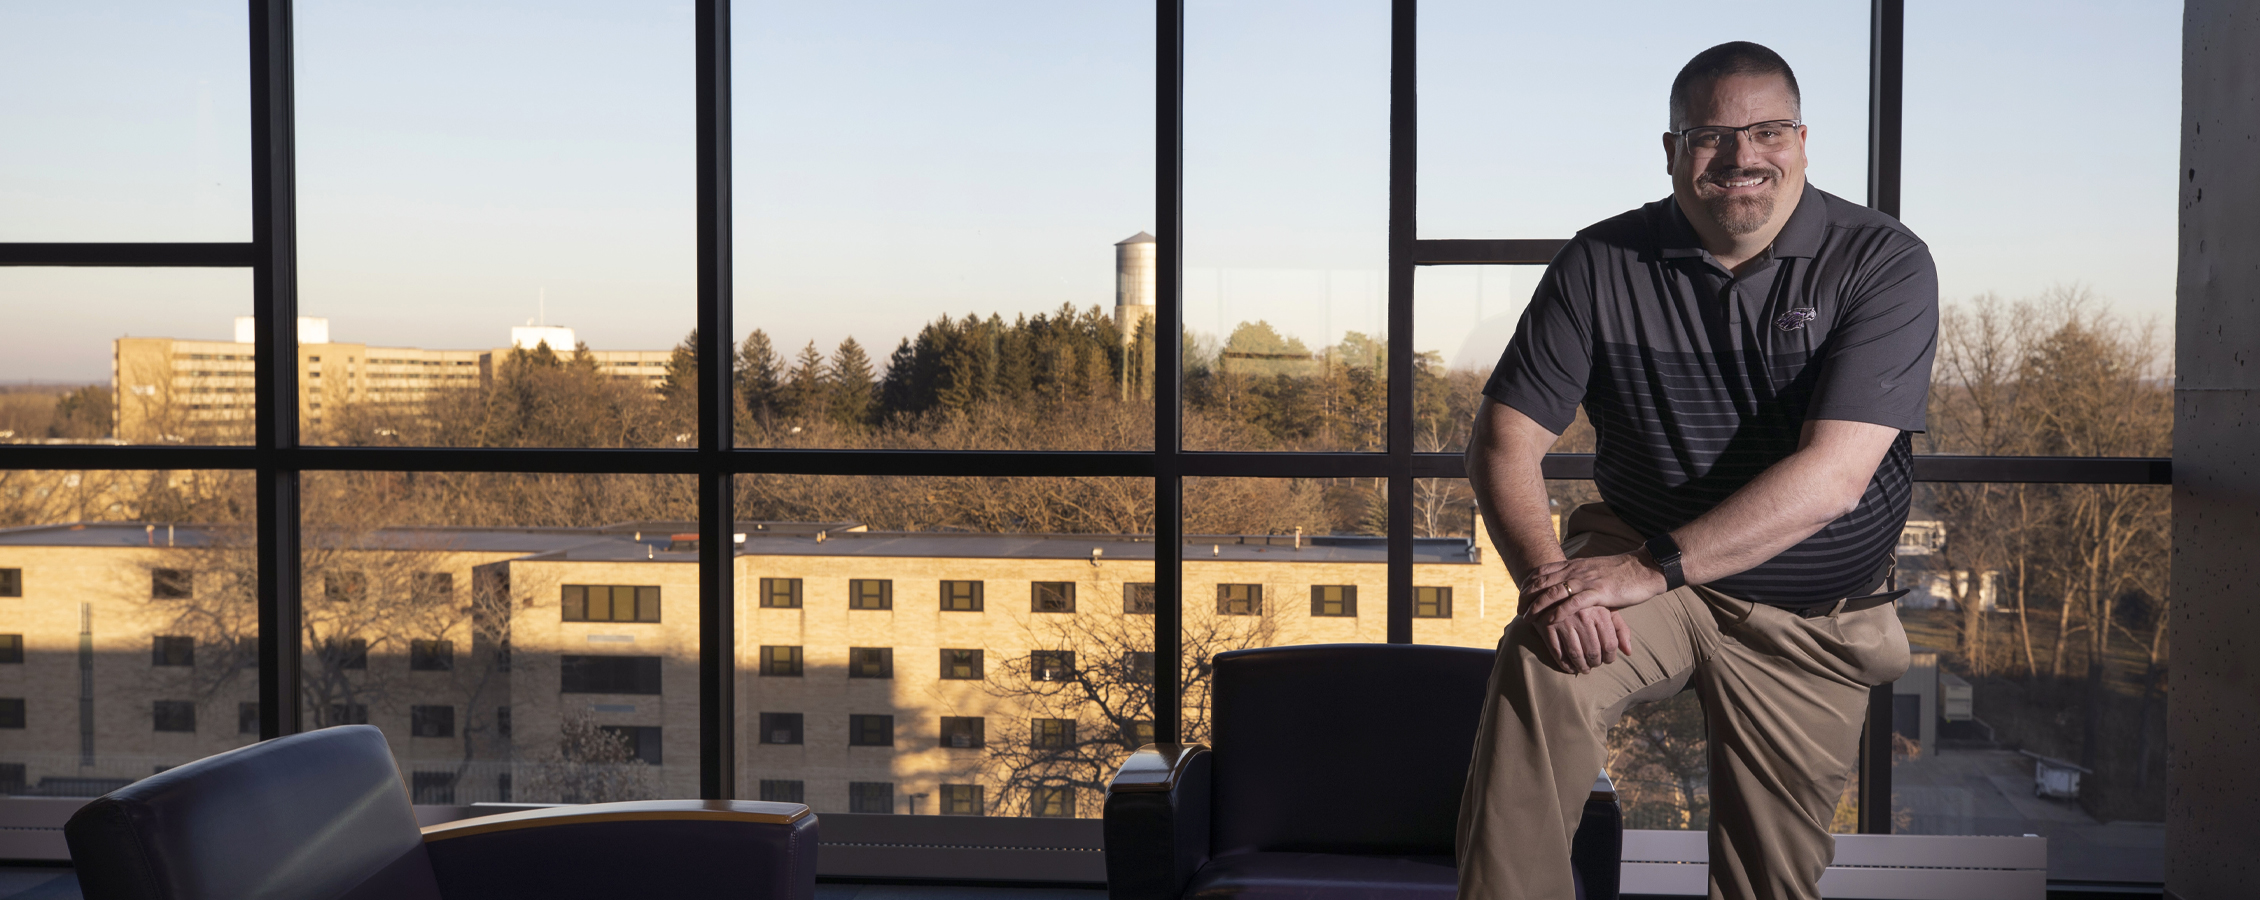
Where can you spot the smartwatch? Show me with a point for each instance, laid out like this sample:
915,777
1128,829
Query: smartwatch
1666,553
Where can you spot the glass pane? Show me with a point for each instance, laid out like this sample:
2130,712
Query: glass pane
180,374
2037,699
2109,249
436,608
1463,318
127,635
943,218
873,692
132,122
1503,84
527,182
1286,226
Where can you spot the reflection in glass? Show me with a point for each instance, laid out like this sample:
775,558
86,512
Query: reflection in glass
127,633
936,652
518,638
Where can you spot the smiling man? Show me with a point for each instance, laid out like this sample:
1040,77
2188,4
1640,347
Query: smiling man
1753,354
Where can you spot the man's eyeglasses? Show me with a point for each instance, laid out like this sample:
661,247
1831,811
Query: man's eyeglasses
1705,140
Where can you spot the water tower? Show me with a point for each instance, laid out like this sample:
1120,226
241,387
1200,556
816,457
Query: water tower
1133,283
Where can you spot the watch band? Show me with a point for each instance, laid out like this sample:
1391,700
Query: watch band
1666,553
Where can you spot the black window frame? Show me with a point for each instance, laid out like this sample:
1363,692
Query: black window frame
871,593
12,582
784,790
868,729
171,584
431,655
960,800
770,597
643,676
875,798
962,733
971,657
11,649
1061,597
950,598
871,662
643,603
278,457
1343,603
791,726
1432,597
1051,734
12,713
780,661
247,717
1051,802
431,720
173,716
1138,598
1230,597
1054,666
172,650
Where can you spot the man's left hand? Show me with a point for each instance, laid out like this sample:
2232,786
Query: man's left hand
1557,590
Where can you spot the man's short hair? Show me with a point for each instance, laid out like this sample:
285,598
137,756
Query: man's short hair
1730,58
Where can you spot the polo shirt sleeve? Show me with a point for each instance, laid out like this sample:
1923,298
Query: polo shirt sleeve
1876,364
1544,370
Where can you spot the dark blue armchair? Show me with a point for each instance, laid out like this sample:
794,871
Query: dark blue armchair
1337,772
324,815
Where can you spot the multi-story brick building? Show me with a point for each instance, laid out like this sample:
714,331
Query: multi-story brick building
879,672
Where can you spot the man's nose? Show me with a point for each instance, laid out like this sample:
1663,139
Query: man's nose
1746,153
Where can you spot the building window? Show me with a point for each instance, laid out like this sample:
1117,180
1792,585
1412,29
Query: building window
642,741
1432,603
431,655
961,596
345,587
778,790
610,603
432,587
502,721
1140,665
1051,665
11,712
780,662
871,662
347,654
1052,803
780,593
1138,733
780,728
962,732
11,582
431,721
961,800
1138,598
1239,599
349,714
1052,596
871,731
247,717
171,584
1051,734
432,788
172,650
961,665
12,777
871,593
175,715
609,674
876,797
11,648
1333,600
502,788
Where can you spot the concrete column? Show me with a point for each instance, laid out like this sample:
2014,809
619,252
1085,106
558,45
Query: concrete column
2213,726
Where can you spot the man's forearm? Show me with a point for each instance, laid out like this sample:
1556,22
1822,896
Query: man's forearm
1820,483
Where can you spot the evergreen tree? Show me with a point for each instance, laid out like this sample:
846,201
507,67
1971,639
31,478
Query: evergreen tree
853,394
806,394
680,387
760,378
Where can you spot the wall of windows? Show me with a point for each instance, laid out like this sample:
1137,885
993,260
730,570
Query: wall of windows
934,432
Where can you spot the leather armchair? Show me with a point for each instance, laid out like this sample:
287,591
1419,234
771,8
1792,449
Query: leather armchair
324,815
1337,772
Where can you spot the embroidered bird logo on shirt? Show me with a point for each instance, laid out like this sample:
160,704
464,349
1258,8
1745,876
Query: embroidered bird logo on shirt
1795,318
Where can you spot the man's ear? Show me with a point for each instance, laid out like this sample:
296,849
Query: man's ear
1671,143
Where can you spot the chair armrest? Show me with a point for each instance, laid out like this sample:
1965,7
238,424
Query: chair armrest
1157,822
643,848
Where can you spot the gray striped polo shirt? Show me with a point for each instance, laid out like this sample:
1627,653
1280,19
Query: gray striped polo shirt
1696,380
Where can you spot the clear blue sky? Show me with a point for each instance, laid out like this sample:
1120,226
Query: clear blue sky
900,160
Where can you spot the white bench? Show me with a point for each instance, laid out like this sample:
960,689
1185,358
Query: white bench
1867,866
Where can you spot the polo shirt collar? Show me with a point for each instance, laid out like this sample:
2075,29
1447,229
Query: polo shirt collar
1800,236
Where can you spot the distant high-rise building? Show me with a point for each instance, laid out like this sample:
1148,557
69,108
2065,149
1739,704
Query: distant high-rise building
1133,283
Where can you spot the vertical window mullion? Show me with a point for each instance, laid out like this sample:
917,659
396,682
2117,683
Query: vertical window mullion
1169,272
717,588
1403,198
1887,36
275,349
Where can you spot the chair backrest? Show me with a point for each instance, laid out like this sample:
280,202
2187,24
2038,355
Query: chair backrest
1343,748
315,815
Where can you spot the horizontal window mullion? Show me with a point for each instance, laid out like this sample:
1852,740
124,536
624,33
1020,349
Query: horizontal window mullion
1088,464
186,255
1284,465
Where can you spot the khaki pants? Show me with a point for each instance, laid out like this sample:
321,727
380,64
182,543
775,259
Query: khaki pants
1785,698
